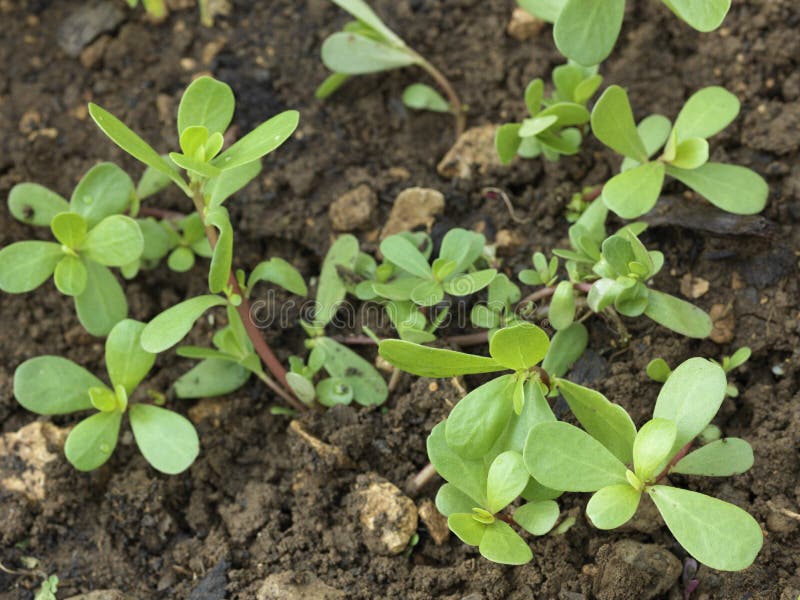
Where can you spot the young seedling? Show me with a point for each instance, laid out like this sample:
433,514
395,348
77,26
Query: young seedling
684,154
157,9
48,589
620,465
552,129
367,45
205,111
92,234
350,377
586,30
498,312
659,370
51,385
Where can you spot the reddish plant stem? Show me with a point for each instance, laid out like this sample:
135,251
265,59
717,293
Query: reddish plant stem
681,453
594,194
546,292
259,343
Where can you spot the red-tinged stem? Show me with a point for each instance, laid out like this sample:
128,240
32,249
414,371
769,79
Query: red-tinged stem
594,193
455,102
681,453
260,345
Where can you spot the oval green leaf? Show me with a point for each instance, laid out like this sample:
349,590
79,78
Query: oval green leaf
172,325
537,518
706,112
434,362
586,30
126,361
167,440
115,241
70,276
732,188
501,544
613,506
613,124
634,192
102,303
34,204
103,191
520,346
722,458
208,103
652,447
506,480
259,142
678,315
354,54
92,441
51,385
24,266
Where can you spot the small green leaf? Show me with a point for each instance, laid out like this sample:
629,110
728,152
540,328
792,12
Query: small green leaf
151,182
367,384
654,131
732,188
469,476
613,506
537,518
652,447
34,204
278,271
362,11
172,325
690,398
613,124
427,293
534,93
70,276
24,266
115,241
102,303
423,97
261,141
501,544
658,370
126,361
400,251
706,112
480,417
103,191
536,125
451,500
129,141
331,289
716,533
467,284
208,103
703,15
195,167
722,458
691,153
222,258
563,457
211,377
507,141
520,346
355,54
167,440
566,347
223,186
586,30
332,83
562,306
567,113
103,399
434,362
181,259
92,441
466,528
678,315
605,421
634,192
507,478
463,247
51,385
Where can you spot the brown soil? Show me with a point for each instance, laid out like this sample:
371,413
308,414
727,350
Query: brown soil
259,501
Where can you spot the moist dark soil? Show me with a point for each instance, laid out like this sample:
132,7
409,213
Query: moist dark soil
260,502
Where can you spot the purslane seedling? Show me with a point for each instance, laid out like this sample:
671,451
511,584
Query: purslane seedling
586,30
659,370
157,9
620,464
349,377
92,235
553,128
367,45
51,385
684,154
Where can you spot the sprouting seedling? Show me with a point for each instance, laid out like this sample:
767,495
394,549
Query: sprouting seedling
552,128
48,589
684,154
349,377
479,490
91,235
157,9
205,111
659,370
620,465
624,269
479,419
367,45
426,284
51,385
502,295
586,30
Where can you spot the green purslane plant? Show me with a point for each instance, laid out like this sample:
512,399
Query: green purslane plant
501,297
587,30
157,9
553,128
684,154
51,385
92,235
367,45
349,376
620,465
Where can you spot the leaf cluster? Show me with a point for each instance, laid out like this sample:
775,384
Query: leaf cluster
684,154
553,127
587,30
